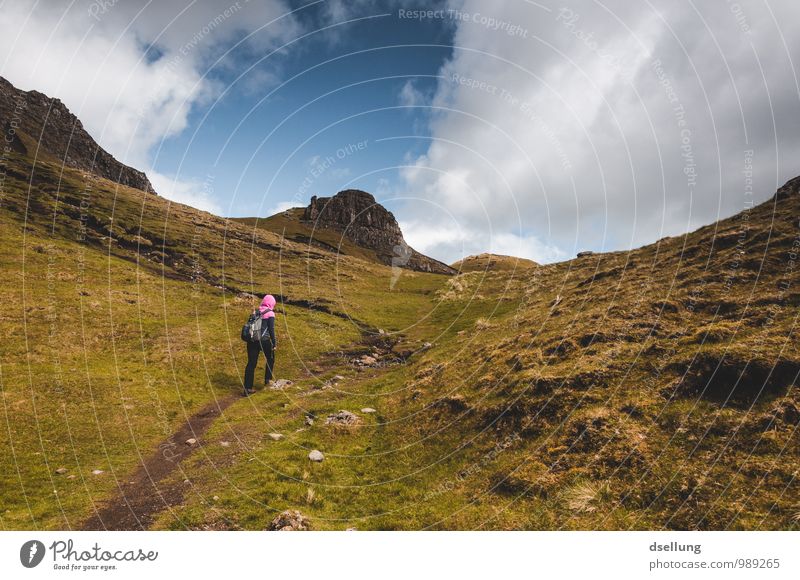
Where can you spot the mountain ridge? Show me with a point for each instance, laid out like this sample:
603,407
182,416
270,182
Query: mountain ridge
33,120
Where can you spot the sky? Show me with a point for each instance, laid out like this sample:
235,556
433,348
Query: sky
535,129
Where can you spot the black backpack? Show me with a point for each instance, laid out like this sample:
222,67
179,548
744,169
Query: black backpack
251,331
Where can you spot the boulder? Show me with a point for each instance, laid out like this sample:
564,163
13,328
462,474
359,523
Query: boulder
316,456
367,360
343,418
280,384
275,436
289,521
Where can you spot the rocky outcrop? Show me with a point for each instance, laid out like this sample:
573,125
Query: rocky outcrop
791,187
55,131
365,222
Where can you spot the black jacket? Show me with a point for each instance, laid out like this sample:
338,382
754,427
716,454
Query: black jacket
268,331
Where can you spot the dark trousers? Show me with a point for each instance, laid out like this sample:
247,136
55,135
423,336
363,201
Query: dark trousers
253,350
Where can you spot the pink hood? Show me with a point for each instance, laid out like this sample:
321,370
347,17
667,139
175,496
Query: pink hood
267,306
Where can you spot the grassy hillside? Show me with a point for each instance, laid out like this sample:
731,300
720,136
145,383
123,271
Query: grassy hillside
643,390
493,263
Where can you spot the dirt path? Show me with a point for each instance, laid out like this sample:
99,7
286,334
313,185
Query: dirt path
141,497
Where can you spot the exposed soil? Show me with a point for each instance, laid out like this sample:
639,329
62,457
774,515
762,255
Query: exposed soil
142,496
738,382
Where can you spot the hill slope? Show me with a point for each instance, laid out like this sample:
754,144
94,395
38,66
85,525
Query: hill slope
492,262
641,390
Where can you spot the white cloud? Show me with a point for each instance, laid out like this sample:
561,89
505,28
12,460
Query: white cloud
562,127
190,192
410,96
132,71
449,242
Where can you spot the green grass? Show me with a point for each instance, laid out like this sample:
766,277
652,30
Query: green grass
566,396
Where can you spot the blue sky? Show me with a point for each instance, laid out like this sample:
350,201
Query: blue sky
536,129
331,122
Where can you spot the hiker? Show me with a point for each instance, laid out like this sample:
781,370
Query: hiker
265,343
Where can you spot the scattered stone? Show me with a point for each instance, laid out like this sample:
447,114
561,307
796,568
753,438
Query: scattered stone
225,443
331,382
585,254
98,472
275,436
368,410
289,521
309,420
367,360
71,477
215,498
61,470
316,455
381,331
280,384
344,418
191,441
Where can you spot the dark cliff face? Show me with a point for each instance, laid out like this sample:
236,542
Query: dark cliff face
367,223
49,123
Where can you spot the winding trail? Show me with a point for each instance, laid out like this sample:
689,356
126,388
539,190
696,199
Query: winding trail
140,497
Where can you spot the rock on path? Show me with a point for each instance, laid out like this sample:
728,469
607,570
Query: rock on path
289,521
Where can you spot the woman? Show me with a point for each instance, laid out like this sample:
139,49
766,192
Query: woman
267,345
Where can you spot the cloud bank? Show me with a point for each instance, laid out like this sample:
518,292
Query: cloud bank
133,71
607,125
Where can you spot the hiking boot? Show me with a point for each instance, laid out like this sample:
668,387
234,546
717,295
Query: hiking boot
248,392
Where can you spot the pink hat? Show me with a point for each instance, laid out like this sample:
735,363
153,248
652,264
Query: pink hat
267,306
